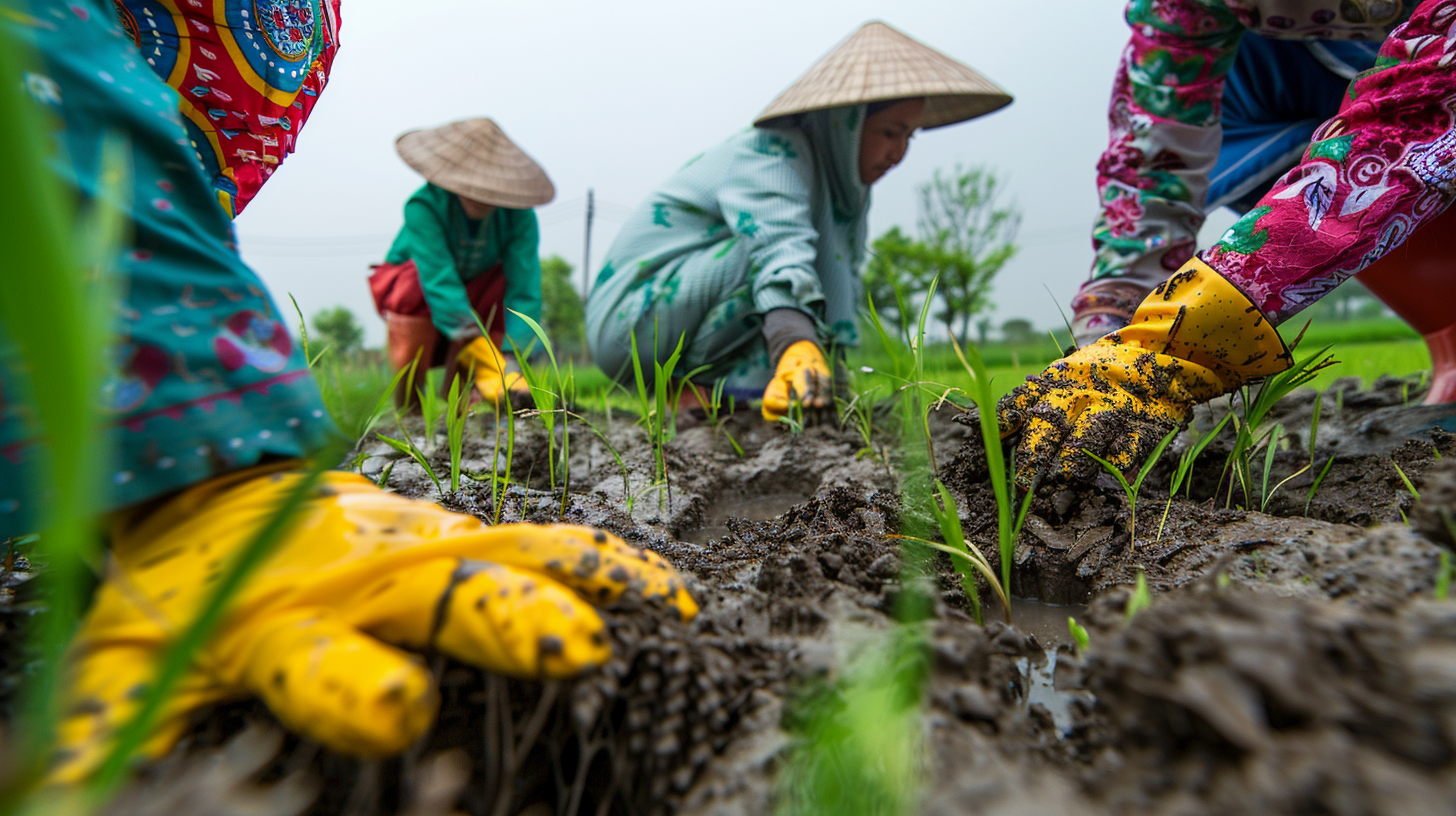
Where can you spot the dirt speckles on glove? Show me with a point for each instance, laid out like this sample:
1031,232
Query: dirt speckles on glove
315,630
1195,337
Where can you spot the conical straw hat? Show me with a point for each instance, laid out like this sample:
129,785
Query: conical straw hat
476,159
878,63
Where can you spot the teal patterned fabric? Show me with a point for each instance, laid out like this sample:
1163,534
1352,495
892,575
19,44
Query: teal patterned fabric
204,377
772,218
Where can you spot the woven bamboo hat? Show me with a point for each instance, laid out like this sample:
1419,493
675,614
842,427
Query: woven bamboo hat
476,159
878,63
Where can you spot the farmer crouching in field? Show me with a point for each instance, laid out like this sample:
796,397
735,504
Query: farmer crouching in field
467,256
1373,184
211,413
751,252
1255,82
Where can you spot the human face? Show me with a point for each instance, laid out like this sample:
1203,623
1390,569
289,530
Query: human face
475,210
886,137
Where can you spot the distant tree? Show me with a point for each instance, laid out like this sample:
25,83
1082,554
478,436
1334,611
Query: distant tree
562,314
983,329
339,329
888,280
965,237
1018,331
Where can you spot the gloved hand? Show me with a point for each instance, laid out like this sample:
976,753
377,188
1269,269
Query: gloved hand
802,373
313,631
1195,337
496,379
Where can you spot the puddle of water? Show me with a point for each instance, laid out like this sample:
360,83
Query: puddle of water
761,507
1049,623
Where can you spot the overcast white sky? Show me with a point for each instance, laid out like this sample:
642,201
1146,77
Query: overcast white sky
616,96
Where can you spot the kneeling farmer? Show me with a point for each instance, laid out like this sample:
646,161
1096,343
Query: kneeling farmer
751,252
469,248
211,412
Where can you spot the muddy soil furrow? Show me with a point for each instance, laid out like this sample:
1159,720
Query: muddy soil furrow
1291,662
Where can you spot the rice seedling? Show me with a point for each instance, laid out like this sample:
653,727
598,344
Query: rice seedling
859,742
551,396
311,359
1185,468
907,358
712,408
794,418
1251,431
457,408
1008,528
1313,443
408,447
1135,487
1271,448
859,411
1443,572
1079,634
1410,488
432,407
658,412
500,481
1140,599
966,559
616,455
1315,485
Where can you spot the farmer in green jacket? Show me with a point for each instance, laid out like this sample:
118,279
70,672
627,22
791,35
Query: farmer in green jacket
467,257
750,254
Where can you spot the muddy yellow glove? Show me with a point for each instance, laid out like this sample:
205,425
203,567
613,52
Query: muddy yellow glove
494,380
314,630
803,374
1195,337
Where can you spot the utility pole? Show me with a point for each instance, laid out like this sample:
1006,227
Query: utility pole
586,251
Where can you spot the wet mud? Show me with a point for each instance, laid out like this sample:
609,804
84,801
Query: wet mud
1291,660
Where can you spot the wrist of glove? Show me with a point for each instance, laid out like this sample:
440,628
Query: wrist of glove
496,376
1193,338
802,374
317,630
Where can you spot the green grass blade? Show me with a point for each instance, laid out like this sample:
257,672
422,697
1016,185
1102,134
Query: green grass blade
1317,480
409,448
1141,599
540,335
1314,425
1408,486
1116,474
1079,634
65,340
1443,576
1153,460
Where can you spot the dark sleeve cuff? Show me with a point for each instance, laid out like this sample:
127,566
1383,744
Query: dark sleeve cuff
783,328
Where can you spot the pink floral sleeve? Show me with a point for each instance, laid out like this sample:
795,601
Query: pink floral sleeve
1164,137
1375,173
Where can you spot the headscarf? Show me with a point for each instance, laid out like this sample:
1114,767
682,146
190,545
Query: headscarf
834,135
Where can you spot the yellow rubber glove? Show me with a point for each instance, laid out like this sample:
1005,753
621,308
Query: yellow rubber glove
1195,337
314,630
493,381
802,373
